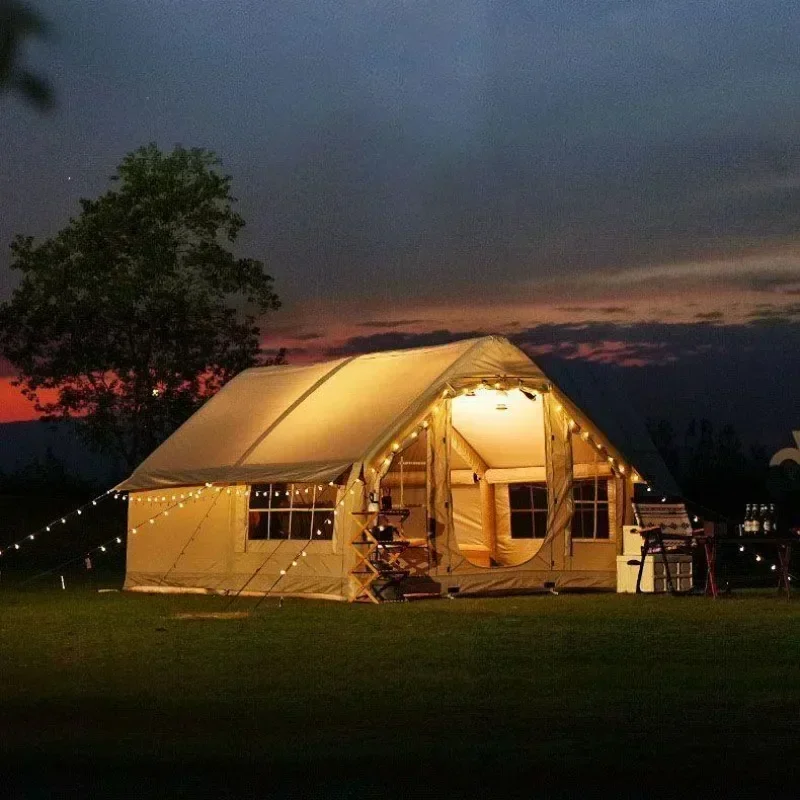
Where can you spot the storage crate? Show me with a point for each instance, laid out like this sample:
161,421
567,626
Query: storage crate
654,577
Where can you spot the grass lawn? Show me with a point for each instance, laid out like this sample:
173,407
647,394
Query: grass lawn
111,695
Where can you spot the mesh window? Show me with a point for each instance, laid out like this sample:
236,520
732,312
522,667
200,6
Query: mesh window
590,518
291,511
528,502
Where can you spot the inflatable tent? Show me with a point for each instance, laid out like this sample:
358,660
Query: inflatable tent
500,480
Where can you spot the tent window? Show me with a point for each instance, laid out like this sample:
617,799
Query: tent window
528,503
291,511
590,518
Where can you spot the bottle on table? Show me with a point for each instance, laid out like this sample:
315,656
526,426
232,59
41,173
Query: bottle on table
748,513
771,521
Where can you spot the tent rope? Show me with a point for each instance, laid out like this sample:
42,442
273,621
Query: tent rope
191,537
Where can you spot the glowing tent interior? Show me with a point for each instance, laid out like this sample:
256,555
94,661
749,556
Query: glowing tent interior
499,481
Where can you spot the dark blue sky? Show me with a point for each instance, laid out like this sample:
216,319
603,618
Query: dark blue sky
455,165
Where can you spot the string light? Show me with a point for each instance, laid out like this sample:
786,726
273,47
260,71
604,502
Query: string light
61,520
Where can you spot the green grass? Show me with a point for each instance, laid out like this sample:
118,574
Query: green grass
536,696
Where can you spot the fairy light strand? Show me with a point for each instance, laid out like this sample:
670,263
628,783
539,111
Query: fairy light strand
60,521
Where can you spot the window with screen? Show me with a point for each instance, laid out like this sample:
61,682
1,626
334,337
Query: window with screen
590,517
528,502
291,511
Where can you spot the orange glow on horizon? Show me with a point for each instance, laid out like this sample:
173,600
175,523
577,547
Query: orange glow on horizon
14,407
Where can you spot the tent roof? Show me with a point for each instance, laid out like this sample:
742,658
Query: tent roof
311,423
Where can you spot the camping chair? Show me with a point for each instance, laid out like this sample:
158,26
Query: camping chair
665,528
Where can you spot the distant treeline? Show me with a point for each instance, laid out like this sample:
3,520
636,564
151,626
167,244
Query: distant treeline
714,469
49,475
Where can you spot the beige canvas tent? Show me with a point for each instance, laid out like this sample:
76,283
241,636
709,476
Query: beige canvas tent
501,481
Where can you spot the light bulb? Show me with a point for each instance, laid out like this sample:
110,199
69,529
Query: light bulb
758,558
118,540
134,530
283,572
102,549
63,521
294,563
741,549
304,554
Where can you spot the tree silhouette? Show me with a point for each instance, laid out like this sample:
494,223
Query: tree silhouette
137,311
712,467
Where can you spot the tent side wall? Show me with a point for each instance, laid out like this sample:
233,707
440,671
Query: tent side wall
204,546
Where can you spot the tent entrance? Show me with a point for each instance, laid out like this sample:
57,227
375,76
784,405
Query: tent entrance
498,476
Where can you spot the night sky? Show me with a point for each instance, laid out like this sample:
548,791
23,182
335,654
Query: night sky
617,181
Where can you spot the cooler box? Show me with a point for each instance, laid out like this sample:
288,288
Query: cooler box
654,577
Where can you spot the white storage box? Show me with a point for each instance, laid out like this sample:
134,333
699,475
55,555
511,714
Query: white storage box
654,577
632,540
